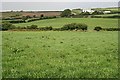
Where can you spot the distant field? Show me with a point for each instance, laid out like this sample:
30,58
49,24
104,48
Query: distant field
59,22
53,54
20,14
107,15
11,14
114,9
77,11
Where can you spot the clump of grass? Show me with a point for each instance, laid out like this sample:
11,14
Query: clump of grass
54,39
49,46
17,50
44,46
42,36
61,42
62,56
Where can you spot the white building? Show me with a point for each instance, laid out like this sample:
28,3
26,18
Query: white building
105,12
87,10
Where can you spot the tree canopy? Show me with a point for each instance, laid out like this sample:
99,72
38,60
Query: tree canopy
66,13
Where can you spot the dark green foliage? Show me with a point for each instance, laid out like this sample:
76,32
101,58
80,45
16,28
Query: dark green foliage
56,29
17,21
32,27
106,29
45,28
97,28
75,26
24,18
7,26
41,15
41,18
66,13
111,29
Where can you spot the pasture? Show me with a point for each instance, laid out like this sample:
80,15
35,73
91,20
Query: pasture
107,15
61,54
59,22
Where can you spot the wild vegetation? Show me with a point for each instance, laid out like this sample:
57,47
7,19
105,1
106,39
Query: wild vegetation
59,46
64,54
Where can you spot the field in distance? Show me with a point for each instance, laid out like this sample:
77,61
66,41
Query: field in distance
64,54
59,22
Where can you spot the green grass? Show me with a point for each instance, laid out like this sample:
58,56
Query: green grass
114,9
66,54
59,22
107,15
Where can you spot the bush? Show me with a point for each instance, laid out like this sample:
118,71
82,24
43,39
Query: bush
66,13
46,28
111,29
32,27
73,26
7,26
17,21
41,18
97,28
41,15
106,29
56,29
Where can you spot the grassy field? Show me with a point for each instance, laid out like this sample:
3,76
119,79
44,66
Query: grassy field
114,9
59,22
66,54
107,15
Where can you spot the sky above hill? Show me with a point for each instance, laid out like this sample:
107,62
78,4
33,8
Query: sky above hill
54,6
60,0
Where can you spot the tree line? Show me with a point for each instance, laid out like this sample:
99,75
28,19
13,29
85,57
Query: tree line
72,26
27,18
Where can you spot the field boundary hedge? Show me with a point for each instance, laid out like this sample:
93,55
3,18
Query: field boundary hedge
106,29
29,20
66,27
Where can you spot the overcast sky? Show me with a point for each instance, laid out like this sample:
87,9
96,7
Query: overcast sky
60,0
54,5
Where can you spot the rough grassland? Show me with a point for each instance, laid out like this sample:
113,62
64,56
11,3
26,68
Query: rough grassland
60,54
59,22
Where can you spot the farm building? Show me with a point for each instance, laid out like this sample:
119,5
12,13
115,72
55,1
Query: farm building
87,10
106,12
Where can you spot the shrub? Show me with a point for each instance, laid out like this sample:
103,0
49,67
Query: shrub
56,29
17,21
46,28
32,27
97,28
7,26
41,15
73,26
66,13
111,29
